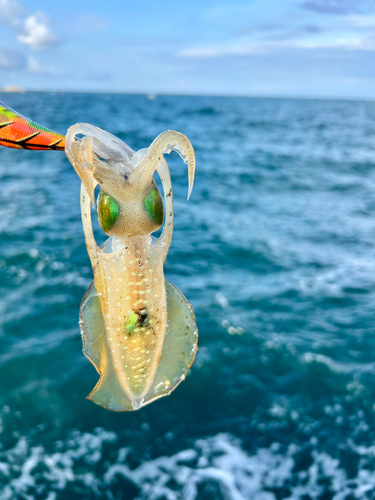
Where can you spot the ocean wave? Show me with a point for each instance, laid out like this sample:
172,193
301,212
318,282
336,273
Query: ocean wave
213,468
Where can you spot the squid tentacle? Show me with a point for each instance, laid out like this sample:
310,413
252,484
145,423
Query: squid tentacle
165,177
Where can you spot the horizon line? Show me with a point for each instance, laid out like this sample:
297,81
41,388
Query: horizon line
155,94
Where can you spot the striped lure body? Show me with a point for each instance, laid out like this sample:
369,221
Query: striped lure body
19,132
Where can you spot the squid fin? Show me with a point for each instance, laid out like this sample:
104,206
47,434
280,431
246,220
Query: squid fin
180,345
108,391
179,349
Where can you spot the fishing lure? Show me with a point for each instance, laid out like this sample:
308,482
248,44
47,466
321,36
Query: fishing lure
138,330
19,132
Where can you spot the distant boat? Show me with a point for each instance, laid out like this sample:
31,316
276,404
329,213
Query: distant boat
152,96
12,88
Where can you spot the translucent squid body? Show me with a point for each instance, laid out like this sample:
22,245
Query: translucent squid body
138,329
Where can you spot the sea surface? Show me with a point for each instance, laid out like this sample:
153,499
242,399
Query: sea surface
275,251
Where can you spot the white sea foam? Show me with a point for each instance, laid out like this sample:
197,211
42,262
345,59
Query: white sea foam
216,467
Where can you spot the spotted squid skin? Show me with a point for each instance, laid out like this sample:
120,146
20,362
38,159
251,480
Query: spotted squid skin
132,295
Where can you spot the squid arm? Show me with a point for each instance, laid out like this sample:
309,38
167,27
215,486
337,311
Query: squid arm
165,143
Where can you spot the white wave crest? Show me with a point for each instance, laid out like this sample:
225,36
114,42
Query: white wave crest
214,468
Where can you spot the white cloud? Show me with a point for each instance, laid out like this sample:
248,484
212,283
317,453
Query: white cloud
36,33
341,7
222,50
10,11
33,31
354,32
237,49
345,43
360,21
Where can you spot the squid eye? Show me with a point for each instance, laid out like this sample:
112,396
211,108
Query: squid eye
108,211
154,205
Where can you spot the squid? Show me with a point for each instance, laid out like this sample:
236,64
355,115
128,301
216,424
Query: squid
138,329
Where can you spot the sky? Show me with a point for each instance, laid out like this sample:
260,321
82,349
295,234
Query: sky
277,48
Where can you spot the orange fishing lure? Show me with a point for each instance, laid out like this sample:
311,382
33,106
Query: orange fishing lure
19,132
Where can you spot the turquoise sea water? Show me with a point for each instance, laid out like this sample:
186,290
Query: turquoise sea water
275,251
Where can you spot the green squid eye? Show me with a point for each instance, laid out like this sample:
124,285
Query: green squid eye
108,211
154,206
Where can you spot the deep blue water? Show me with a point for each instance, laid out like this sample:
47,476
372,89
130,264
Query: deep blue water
275,251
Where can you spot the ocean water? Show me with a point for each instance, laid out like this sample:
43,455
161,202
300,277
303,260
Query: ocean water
276,252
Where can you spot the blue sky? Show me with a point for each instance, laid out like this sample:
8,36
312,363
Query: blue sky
302,48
